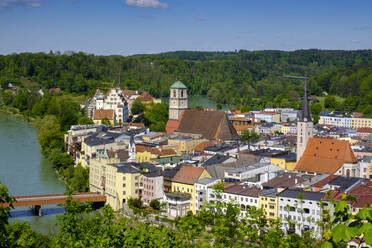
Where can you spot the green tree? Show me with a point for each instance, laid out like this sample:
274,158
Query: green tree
155,204
138,107
157,114
80,180
85,120
330,102
106,121
248,136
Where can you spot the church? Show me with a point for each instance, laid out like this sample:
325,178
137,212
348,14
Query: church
196,123
322,155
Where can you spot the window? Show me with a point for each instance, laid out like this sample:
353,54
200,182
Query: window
174,93
306,210
123,178
124,185
123,192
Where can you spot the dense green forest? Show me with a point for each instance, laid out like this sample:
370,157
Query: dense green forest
243,78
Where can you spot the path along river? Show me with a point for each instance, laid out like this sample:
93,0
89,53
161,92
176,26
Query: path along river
26,172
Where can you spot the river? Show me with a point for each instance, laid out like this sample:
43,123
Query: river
26,172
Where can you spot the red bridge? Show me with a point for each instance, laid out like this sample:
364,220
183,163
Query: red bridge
36,201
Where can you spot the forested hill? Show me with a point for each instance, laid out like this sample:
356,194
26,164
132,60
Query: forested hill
233,77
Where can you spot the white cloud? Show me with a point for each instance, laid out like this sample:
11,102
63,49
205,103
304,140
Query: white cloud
10,3
147,4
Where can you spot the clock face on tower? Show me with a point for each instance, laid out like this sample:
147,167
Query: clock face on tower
174,103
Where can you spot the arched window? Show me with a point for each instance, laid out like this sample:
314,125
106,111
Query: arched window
348,172
174,93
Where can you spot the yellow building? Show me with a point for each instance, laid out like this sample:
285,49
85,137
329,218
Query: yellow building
100,114
185,179
268,202
287,162
145,153
184,144
358,122
285,129
117,181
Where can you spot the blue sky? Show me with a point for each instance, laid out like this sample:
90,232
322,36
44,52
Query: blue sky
151,26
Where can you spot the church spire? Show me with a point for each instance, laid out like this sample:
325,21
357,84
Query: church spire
132,150
305,116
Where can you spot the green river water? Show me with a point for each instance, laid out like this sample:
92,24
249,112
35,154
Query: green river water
26,172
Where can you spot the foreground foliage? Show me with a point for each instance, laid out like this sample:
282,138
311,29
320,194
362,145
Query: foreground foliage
79,226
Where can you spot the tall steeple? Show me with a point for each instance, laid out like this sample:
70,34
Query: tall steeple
132,150
305,116
304,125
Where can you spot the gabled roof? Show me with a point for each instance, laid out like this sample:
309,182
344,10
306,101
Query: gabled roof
145,96
364,130
171,126
210,124
287,180
99,114
241,189
325,156
188,174
178,85
130,93
201,147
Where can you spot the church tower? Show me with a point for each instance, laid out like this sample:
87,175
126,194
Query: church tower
304,125
177,100
132,150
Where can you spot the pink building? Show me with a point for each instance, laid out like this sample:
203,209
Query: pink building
152,187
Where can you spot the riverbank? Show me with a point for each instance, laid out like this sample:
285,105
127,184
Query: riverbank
14,112
25,171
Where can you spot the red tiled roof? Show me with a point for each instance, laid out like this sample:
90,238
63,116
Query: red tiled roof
286,180
325,156
210,124
364,130
242,127
156,150
171,126
188,174
239,189
99,114
203,145
325,181
130,92
145,96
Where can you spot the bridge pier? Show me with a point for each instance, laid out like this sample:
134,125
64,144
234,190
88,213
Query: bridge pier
36,209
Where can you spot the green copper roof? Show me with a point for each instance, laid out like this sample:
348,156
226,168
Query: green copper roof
178,85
